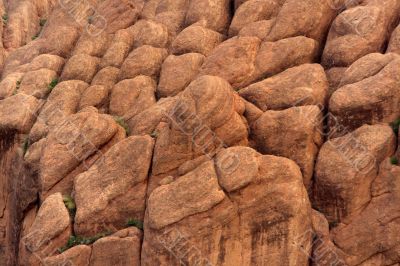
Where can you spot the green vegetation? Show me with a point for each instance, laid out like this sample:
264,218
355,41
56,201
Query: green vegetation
17,85
122,123
42,22
25,146
78,240
52,84
135,223
154,134
5,18
394,160
35,37
70,205
395,125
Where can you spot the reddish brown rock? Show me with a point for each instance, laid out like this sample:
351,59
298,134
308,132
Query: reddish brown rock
18,112
145,60
373,99
303,85
346,168
302,128
258,184
113,190
132,96
72,141
122,248
147,32
50,231
37,82
80,67
196,39
177,72
78,255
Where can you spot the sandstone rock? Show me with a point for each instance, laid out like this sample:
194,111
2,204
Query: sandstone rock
18,112
196,39
394,43
113,190
73,140
115,55
9,84
233,60
358,31
345,169
203,119
309,18
376,221
118,249
78,255
334,76
252,11
302,128
106,77
132,96
49,231
145,60
96,95
37,82
284,54
92,44
147,32
369,101
177,72
213,13
49,61
303,85
80,67
185,232
63,101
259,29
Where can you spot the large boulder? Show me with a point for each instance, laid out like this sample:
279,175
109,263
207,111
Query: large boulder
295,133
235,210
345,169
49,231
371,95
113,190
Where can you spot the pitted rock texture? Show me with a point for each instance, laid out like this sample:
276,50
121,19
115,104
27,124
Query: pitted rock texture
199,132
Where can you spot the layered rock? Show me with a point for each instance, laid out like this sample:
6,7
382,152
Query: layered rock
243,197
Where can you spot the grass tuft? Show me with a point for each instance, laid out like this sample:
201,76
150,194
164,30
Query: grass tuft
78,240
25,146
135,223
52,84
395,126
122,123
5,18
394,160
70,205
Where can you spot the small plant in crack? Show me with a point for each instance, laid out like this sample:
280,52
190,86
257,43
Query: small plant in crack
25,146
42,22
78,240
17,85
394,160
70,205
52,84
5,18
135,223
122,123
35,37
395,126
154,134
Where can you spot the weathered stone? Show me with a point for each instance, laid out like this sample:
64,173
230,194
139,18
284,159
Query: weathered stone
177,72
345,169
303,85
113,190
196,39
302,128
80,67
18,112
145,60
147,32
78,255
36,83
132,96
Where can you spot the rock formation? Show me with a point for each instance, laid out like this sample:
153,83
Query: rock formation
200,132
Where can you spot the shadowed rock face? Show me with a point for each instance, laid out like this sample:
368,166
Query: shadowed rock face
199,132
